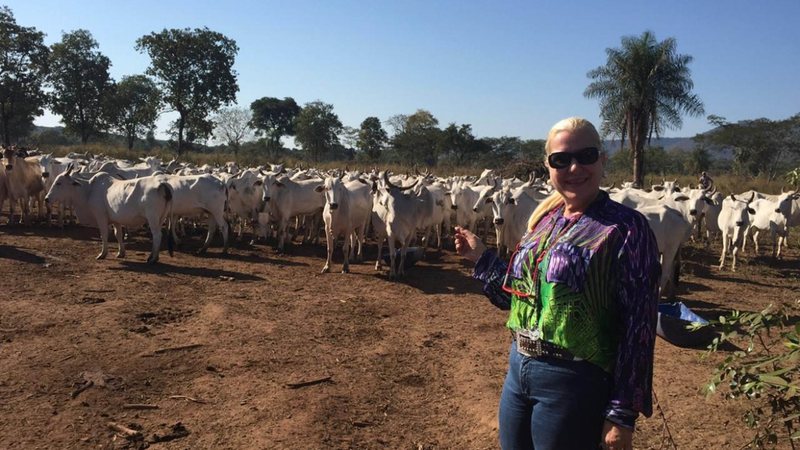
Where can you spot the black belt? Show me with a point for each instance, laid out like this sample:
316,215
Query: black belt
530,344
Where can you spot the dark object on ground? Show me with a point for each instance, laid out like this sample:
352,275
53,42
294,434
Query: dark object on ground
673,322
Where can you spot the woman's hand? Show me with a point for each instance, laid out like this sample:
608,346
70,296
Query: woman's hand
468,245
616,437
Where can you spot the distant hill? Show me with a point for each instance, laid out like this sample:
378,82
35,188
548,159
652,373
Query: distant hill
680,143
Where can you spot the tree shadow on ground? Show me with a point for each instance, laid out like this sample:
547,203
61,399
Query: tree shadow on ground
163,268
8,252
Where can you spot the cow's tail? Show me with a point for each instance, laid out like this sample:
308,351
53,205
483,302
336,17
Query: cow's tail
166,189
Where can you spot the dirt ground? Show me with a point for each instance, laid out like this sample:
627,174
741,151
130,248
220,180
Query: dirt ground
259,350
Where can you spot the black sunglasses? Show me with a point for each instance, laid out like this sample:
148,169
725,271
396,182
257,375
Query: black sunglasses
584,157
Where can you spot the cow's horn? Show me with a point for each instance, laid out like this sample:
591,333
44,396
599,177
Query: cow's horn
389,183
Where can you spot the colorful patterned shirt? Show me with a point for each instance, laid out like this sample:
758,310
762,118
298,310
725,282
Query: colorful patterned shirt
596,294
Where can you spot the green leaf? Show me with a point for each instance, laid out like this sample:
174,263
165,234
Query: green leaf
773,380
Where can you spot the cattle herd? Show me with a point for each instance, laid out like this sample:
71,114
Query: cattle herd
403,210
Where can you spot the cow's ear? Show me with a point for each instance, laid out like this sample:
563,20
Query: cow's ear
319,188
708,200
512,201
681,198
658,188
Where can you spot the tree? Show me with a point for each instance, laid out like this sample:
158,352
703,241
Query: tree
232,126
415,137
457,143
316,129
23,69
79,75
133,108
644,88
274,118
194,70
760,146
372,138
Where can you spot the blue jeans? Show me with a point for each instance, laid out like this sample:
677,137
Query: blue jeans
552,404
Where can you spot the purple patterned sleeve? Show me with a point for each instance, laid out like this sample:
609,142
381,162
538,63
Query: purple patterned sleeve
490,269
639,271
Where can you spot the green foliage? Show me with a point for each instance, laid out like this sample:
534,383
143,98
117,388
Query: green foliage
760,146
79,75
793,178
765,372
274,117
415,138
643,89
194,69
133,107
316,130
458,145
23,65
371,138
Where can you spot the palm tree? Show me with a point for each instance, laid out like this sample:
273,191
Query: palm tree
644,88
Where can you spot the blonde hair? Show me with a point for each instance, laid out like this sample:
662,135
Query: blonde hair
555,199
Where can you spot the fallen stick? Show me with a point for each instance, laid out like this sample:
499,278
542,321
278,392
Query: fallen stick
81,388
186,397
125,431
138,406
99,291
308,383
171,349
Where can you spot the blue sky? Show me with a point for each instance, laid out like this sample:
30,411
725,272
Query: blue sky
508,68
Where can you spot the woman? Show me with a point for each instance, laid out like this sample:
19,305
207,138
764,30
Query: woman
582,294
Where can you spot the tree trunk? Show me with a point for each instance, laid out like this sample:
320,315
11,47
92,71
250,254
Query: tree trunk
181,126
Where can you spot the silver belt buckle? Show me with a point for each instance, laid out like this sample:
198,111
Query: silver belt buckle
535,334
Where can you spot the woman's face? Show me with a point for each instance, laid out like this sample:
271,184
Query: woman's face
577,183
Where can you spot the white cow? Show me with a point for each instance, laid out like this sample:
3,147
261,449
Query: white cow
733,220
193,195
671,230
511,214
772,216
289,198
104,201
245,195
23,183
345,213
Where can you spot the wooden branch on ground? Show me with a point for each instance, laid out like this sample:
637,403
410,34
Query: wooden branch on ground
171,349
186,397
81,388
138,406
308,383
125,431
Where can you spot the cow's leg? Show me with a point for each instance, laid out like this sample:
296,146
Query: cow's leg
212,227
120,234
755,241
155,229
392,271
724,250
102,225
224,230
331,242
347,247
401,269
282,224
380,250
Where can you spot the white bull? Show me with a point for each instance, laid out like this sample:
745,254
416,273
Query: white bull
104,201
